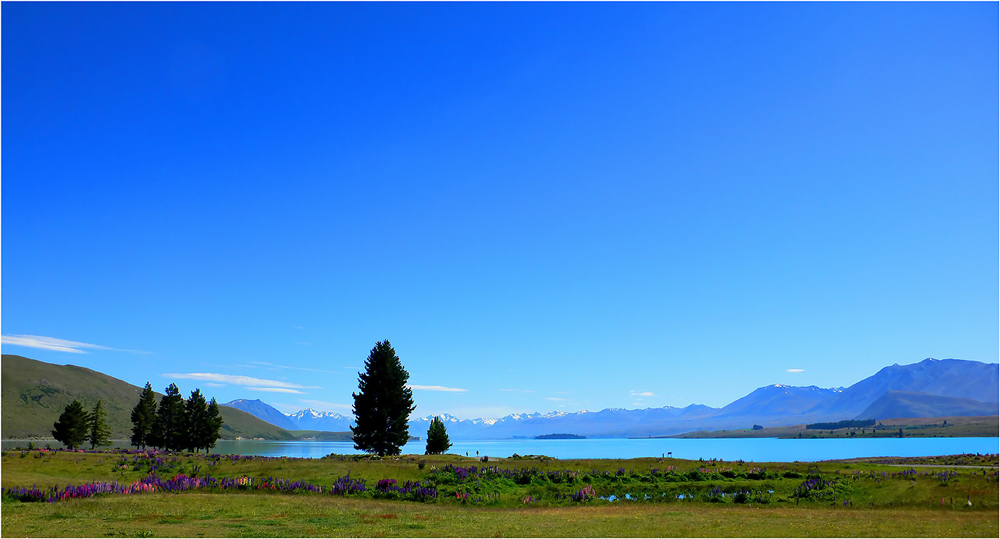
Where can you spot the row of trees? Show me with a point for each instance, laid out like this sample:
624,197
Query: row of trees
194,424
76,426
382,409
175,424
383,405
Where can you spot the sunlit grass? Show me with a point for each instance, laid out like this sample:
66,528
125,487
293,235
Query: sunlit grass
880,500
249,515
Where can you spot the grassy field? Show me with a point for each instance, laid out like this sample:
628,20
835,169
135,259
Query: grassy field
523,497
912,427
249,515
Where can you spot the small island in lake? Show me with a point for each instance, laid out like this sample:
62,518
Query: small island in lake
560,437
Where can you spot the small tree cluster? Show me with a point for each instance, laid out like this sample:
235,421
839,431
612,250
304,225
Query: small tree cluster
76,426
176,424
71,427
437,437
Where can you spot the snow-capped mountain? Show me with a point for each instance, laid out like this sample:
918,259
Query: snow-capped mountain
310,419
307,419
263,411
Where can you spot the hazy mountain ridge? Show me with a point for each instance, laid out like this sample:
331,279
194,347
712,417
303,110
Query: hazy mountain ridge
779,399
930,388
906,404
950,380
939,377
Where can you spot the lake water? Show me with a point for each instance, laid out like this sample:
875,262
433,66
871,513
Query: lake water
749,449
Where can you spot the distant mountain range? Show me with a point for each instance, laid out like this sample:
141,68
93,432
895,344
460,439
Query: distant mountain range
34,394
310,419
930,388
307,419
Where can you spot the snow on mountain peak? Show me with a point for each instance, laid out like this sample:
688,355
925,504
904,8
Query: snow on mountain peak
315,414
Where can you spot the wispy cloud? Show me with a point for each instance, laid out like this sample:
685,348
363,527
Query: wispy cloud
323,405
275,390
557,399
58,345
235,380
635,393
436,388
795,370
273,366
520,390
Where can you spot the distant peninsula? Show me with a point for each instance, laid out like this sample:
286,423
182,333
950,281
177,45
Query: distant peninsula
912,427
562,436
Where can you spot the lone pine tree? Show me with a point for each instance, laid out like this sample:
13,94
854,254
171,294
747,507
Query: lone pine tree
213,429
383,404
100,433
437,437
170,423
143,416
73,425
196,422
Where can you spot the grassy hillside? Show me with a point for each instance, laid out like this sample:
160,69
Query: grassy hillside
35,393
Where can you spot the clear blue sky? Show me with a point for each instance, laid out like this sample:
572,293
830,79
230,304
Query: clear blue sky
549,206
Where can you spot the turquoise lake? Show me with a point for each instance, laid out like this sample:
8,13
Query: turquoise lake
757,449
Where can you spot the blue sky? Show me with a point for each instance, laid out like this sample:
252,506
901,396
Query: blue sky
542,206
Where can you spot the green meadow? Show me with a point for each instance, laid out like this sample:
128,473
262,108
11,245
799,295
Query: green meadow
532,496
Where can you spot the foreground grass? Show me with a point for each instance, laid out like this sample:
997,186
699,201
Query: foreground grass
254,515
865,498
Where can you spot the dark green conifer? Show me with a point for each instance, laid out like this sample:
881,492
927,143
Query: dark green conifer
214,424
143,416
72,426
100,433
437,437
170,425
383,404
196,422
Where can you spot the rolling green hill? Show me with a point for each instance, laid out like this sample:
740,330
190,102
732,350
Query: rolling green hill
33,394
